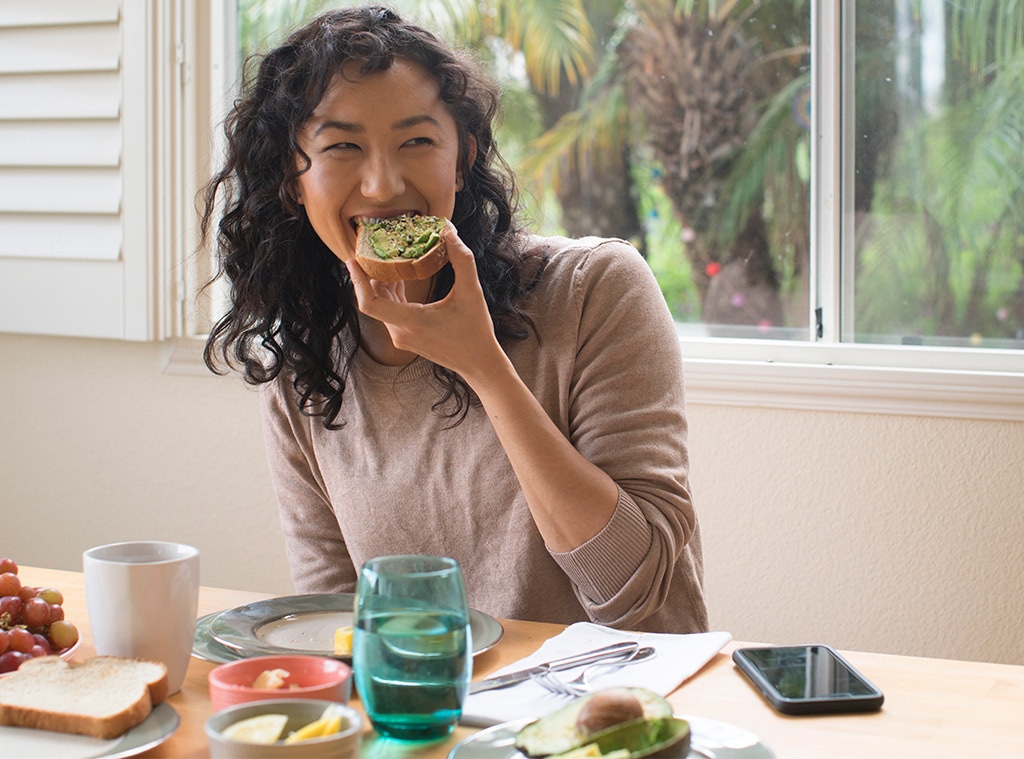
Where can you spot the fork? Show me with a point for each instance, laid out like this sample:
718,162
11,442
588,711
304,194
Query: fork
580,685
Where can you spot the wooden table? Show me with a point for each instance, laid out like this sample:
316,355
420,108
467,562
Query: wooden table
933,707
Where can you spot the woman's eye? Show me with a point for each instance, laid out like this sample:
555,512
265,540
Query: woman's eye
341,146
419,141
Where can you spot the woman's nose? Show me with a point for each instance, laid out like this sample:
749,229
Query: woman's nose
382,179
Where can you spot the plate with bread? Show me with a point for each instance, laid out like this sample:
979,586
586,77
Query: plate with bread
318,623
106,706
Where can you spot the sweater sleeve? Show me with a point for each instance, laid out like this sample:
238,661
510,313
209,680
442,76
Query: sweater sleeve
316,550
626,414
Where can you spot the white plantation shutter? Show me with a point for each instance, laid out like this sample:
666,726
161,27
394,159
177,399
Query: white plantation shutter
91,189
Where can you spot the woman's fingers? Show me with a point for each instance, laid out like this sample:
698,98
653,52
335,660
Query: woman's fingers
369,291
360,282
461,257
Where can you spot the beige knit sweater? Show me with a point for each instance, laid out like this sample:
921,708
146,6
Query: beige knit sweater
393,480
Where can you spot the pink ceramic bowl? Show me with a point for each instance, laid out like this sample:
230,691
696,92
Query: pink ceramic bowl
309,677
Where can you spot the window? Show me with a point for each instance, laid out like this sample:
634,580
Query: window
102,104
935,147
848,234
828,192
61,189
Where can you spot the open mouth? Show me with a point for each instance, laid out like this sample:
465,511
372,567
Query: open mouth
359,221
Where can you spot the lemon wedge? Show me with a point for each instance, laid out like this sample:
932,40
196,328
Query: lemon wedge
264,729
328,724
343,641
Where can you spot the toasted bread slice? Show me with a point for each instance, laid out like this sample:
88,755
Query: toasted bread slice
395,248
102,697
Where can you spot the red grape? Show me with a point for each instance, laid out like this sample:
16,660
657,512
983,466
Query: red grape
11,605
10,584
11,660
27,592
22,640
36,612
31,620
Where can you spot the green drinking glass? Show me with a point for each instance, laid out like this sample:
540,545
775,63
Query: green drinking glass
412,647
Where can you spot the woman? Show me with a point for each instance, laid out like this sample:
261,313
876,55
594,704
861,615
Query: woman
521,411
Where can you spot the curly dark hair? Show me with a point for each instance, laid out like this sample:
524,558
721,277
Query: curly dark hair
292,302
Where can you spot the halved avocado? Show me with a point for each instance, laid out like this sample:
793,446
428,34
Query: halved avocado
559,732
660,738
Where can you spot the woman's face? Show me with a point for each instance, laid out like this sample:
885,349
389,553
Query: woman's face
379,145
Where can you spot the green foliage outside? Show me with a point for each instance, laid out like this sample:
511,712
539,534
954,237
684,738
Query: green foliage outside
939,207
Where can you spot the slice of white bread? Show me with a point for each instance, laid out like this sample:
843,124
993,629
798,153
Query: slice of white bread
102,697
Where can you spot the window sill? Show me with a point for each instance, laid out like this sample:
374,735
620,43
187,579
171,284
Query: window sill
793,384
859,389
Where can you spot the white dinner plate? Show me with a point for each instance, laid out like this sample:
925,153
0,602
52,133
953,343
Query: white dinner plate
24,743
304,624
720,739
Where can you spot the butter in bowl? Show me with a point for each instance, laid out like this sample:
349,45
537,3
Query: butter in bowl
285,729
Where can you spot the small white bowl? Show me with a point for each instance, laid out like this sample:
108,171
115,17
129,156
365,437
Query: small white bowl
300,712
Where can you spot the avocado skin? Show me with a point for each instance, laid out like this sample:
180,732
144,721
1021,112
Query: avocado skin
660,738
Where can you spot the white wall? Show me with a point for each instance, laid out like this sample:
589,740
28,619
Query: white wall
890,533
98,445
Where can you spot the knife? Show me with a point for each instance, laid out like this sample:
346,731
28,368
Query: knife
612,652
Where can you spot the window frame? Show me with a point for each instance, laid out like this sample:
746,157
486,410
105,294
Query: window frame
824,373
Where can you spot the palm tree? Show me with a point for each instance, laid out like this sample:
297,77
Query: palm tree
264,23
940,249
714,84
560,43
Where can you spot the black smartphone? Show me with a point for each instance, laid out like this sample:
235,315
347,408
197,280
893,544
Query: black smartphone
811,679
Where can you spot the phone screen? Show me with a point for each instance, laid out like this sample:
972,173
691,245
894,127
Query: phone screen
807,678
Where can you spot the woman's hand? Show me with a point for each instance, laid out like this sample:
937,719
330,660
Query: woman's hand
570,498
455,332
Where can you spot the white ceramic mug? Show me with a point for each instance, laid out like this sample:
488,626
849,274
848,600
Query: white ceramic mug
142,598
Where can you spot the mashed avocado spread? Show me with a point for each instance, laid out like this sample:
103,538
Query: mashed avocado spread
404,236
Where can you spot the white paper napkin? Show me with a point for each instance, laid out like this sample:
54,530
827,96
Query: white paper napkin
678,658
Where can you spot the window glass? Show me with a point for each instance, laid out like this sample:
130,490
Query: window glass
685,127
938,174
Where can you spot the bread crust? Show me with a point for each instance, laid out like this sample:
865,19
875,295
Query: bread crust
395,269
104,728
102,697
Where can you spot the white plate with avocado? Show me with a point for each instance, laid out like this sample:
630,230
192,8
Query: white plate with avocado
709,738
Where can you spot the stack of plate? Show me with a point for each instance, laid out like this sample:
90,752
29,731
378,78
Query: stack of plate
297,624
